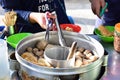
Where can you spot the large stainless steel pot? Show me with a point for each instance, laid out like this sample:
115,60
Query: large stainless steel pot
89,72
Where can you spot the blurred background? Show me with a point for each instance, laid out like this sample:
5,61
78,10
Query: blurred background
80,11
82,14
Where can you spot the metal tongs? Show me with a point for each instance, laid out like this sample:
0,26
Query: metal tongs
60,34
49,26
49,23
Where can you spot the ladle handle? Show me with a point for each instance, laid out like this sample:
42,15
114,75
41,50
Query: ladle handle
72,50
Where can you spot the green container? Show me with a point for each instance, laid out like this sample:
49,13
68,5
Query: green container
105,38
14,39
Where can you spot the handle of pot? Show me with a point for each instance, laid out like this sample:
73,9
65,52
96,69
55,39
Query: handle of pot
105,61
13,63
3,34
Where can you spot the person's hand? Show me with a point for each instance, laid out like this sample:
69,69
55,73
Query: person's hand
96,6
39,18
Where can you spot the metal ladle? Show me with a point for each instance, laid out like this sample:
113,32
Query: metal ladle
63,56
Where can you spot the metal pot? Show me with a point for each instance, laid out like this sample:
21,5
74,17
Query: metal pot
90,71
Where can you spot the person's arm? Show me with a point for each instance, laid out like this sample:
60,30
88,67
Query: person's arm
39,18
24,16
96,6
34,17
